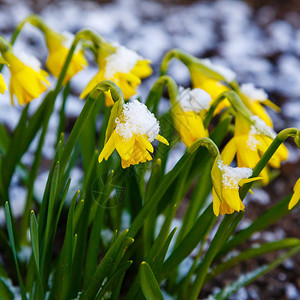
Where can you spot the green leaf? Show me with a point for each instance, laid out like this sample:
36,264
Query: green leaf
34,239
35,250
192,238
53,190
14,150
13,248
156,254
253,253
108,264
110,289
213,249
93,246
87,138
149,283
4,139
161,189
5,292
62,276
249,277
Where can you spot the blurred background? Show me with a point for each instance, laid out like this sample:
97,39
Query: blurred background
258,39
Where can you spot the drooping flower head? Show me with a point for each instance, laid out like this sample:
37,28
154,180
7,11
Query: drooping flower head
3,87
251,139
226,197
187,113
135,129
296,196
28,81
59,46
124,67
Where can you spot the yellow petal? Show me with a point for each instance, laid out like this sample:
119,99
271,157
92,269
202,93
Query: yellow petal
271,104
3,86
296,196
232,198
124,146
144,141
109,147
246,180
229,152
216,203
162,139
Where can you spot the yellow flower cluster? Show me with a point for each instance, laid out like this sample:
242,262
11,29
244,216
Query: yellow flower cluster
116,63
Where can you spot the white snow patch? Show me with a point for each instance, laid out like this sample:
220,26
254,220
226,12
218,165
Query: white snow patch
259,127
122,61
253,93
232,176
292,292
193,100
137,119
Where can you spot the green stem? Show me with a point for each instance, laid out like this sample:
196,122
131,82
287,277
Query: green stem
234,100
155,93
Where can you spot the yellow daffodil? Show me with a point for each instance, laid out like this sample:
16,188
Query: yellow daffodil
296,196
228,200
253,98
249,143
3,87
27,81
135,129
188,114
59,46
124,67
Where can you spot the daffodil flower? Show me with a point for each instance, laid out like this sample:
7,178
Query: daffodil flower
28,81
228,200
248,144
187,114
296,196
3,87
135,128
59,46
124,67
